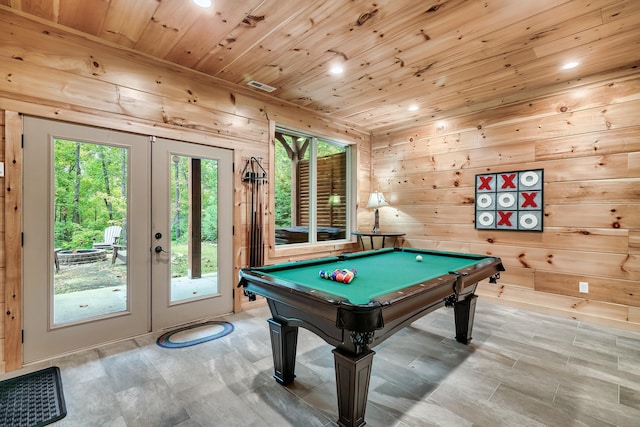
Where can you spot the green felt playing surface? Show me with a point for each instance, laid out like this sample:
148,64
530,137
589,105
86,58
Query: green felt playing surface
377,275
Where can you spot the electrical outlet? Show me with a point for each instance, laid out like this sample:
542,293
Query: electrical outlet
584,287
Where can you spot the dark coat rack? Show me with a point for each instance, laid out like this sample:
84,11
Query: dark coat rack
254,174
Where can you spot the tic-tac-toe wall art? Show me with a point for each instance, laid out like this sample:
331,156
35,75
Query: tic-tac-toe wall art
510,200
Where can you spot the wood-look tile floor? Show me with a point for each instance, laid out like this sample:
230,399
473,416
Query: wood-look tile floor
521,369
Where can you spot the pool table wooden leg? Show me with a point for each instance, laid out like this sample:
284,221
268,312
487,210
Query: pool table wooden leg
284,340
464,311
352,382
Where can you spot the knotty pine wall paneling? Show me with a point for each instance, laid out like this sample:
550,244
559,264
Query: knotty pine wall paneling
586,137
12,242
56,73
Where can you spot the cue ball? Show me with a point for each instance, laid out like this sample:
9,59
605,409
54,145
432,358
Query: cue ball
419,258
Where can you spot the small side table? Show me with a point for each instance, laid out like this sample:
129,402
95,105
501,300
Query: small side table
362,234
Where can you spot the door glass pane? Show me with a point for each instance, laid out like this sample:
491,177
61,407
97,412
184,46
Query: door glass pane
89,217
331,214
194,228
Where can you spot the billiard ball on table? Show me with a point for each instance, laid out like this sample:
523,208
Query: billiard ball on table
419,258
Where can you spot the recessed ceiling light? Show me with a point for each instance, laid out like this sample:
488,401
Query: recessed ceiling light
570,65
336,69
203,3
413,108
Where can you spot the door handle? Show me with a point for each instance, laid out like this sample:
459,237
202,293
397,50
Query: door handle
159,249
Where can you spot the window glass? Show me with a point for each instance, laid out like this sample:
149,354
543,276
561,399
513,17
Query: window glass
331,194
90,228
311,182
194,227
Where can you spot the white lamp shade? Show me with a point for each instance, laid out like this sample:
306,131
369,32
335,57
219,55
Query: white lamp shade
334,199
376,200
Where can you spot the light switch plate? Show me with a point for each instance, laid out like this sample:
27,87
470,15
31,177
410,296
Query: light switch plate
1,169
584,287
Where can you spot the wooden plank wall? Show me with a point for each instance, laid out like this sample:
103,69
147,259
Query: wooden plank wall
12,241
54,73
587,140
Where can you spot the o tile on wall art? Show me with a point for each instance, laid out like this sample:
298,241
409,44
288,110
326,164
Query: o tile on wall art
510,200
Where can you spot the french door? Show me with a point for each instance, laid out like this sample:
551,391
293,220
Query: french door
192,233
123,234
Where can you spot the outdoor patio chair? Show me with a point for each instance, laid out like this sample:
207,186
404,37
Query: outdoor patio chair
111,237
56,262
120,248
119,252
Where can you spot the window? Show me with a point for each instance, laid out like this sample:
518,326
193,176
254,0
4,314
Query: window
312,188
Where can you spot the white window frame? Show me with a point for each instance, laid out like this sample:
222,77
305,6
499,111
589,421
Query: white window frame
351,188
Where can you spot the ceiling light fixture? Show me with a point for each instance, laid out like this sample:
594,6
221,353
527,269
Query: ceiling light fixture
203,3
570,65
413,107
336,69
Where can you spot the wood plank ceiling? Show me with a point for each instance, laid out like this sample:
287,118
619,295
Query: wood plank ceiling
444,57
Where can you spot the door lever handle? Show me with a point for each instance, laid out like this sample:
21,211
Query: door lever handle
159,249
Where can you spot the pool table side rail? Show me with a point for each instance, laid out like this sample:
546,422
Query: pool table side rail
417,251
270,286
355,255
398,316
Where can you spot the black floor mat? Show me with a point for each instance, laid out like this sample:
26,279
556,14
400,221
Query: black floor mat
34,399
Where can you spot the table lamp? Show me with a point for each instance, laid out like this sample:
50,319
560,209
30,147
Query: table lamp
376,200
334,200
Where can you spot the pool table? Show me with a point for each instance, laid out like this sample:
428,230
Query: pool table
391,289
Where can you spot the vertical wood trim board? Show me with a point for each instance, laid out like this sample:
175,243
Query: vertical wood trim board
13,241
